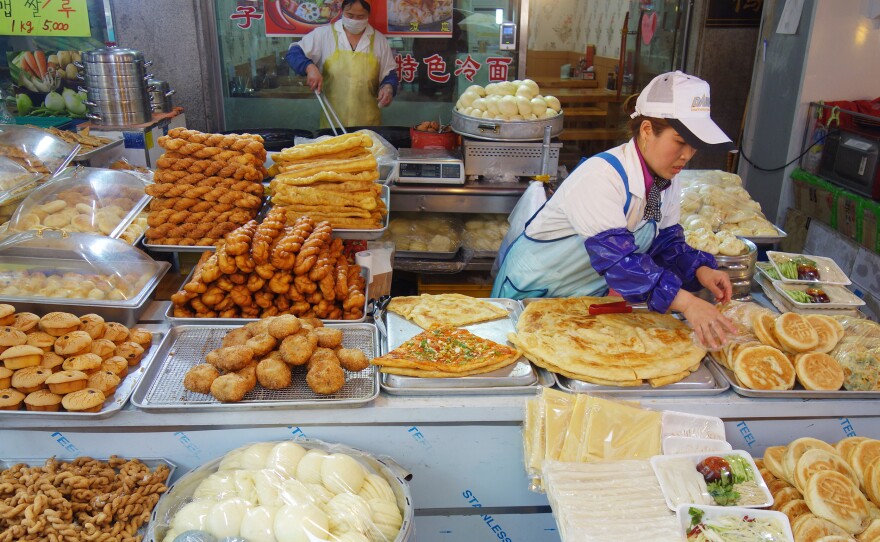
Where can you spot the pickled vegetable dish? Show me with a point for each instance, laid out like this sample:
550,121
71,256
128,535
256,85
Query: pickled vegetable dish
810,295
733,529
799,268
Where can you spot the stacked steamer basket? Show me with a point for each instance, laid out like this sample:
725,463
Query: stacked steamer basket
116,81
160,95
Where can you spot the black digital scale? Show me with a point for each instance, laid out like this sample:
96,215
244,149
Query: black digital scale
429,166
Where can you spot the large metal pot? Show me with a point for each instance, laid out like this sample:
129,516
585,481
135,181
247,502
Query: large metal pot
119,107
113,55
107,69
100,81
160,95
505,130
97,94
110,119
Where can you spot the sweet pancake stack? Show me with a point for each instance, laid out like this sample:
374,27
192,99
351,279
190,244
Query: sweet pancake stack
818,351
332,180
826,490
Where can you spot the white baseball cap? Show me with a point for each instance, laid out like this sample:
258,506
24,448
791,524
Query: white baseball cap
683,101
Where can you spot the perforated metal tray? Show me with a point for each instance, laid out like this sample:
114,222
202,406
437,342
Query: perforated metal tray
113,404
162,388
706,380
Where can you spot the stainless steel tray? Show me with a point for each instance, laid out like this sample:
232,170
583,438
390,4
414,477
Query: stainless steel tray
545,379
475,254
424,255
175,321
162,389
518,374
769,239
505,130
369,235
707,380
114,311
797,393
82,157
183,489
111,405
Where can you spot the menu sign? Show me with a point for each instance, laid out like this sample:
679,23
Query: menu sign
44,18
411,18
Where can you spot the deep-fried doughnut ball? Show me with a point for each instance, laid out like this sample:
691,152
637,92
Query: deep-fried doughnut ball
200,378
328,337
249,375
296,350
229,388
230,358
273,373
322,354
311,337
352,359
312,321
237,337
259,327
325,377
261,344
284,326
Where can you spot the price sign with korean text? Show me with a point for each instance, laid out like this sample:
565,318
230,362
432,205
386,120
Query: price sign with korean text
44,18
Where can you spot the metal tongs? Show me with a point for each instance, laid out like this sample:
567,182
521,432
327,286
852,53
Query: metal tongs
325,105
376,309
616,307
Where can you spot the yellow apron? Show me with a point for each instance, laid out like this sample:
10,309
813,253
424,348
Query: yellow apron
351,83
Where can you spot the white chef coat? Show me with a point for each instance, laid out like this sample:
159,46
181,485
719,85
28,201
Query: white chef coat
318,45
591,200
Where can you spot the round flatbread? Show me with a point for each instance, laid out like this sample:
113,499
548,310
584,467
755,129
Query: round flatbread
870,534
785,496
817,460
872,481
794,509
762,324
795,333
773,461
863,455
833,496
796,449
811,527
764,368
846,446
829,330
817,371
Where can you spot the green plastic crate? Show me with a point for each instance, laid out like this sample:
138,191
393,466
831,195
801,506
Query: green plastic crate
44,122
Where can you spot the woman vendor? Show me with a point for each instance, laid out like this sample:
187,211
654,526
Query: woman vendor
613,223
351,63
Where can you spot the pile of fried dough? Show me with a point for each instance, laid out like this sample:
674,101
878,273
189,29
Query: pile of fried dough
332,180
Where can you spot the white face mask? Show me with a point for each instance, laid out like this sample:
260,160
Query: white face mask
355,26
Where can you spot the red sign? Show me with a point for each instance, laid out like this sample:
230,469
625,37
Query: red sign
407,67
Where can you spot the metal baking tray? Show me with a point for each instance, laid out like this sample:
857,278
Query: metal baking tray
518,374
768,239
478,254
114,311
181,492
706,380
369,235
545,379
425,255
83,156
797,393
162,389
111,405
175,321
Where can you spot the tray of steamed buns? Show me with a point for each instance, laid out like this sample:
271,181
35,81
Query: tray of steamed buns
288,491
61,365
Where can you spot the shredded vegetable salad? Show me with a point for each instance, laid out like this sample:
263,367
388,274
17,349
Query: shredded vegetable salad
733,529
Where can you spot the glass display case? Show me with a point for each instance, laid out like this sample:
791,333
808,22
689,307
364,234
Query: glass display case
83,200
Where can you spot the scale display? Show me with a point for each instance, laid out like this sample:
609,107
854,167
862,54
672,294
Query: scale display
428,166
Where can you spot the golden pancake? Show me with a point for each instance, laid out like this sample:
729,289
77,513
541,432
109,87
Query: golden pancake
809,527
796,449
762,324
833,496
825,328
846,446
863,455
403,305
763,368
767,476
777,485
794,509
785,496
453,310
874,510
817,371
835,538
816,460
773,461
795,333
871,534
872,481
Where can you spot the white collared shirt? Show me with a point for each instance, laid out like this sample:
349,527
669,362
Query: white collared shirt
591,200
318,45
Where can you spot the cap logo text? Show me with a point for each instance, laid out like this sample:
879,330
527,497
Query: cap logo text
700,103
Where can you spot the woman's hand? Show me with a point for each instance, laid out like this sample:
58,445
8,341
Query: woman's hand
314,78
718,282
709,325
386,94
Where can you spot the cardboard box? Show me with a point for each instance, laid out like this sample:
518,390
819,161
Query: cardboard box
472,283
815,197
849,214
871,226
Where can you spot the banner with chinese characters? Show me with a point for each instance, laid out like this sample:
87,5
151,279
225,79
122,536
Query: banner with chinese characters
44,18
412,18
438,70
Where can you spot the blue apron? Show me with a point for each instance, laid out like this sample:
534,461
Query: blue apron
560,267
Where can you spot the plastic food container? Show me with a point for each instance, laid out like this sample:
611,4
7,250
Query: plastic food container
659,462
689,445
78,273
29,156
83,200
829,272
271,462
714,512
839,296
